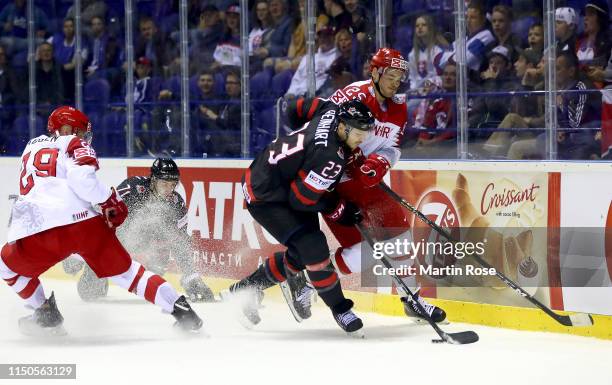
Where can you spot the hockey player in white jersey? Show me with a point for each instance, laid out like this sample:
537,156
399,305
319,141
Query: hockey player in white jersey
55,215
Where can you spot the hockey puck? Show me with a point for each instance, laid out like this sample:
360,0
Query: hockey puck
439,341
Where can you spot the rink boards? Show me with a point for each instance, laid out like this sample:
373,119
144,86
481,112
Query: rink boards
513,195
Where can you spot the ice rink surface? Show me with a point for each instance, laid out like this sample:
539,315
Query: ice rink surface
124,340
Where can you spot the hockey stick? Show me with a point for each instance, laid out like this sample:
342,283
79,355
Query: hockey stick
460,338
577,319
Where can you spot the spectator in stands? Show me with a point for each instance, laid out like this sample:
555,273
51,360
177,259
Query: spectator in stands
501,22
283,29
362,25
14,32
339,18
259,35
204,115
227,52
152,44
49,85
489,110
348,54
480,40
297,46
9,89
566,23
593,45
145,92
427,44
205,37
103,58
439,129
576,110
89,10
324,57
226,143
64,49
527,111
535,37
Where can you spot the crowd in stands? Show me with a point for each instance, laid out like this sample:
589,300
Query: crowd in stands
505,60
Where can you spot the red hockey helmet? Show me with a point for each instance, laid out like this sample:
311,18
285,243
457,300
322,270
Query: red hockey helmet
389,58
69,116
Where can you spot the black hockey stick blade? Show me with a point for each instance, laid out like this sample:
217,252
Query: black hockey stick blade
460,338
577,319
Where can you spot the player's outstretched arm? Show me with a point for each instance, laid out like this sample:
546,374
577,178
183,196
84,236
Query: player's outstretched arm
81,173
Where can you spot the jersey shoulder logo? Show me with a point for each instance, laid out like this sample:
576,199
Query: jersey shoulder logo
140,189
399,98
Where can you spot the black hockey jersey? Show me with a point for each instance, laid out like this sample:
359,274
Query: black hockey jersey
300,167
136,192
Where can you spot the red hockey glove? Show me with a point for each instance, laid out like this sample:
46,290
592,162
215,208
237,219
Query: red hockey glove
114,210
344,213
354,161
373,170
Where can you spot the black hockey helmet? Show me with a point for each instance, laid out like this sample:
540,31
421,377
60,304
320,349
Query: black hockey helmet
357,115
165,169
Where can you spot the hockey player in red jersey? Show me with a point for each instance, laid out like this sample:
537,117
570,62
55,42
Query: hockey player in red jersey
366,168
56,215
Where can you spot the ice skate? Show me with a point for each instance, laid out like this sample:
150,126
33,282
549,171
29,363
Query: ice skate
196,290
90,287
47,321
412,310
186,317
347,320
298,294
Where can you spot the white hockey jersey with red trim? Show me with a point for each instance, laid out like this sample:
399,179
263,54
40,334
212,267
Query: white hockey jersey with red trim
57,185
391,118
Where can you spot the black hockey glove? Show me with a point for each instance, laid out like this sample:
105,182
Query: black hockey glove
344,213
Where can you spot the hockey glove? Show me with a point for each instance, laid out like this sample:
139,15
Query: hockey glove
373,169
345,213
354,161
114,210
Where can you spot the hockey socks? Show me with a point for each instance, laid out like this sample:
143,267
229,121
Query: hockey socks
147,285
29,289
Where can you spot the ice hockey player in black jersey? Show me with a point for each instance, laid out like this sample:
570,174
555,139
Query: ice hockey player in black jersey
286,187
154,231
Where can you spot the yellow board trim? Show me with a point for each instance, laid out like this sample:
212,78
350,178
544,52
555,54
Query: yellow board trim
509,317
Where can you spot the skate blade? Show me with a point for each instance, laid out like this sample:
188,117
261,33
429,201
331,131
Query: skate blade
357,334
284,286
